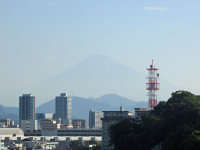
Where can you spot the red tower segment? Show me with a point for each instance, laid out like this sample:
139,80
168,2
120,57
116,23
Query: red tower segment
152,86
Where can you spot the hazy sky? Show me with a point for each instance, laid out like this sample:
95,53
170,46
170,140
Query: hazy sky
41,38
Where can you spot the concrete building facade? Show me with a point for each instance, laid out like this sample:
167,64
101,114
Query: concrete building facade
29,125
95,119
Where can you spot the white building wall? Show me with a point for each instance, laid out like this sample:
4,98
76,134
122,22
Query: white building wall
95,119
29,125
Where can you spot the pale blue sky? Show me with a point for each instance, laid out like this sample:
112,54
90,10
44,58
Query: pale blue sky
41,38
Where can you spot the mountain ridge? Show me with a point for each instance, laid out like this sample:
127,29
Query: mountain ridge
98,104
104,103
99,75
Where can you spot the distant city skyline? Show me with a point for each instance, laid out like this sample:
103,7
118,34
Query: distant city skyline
41,39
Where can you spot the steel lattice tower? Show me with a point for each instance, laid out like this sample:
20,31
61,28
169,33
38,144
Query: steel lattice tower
152,85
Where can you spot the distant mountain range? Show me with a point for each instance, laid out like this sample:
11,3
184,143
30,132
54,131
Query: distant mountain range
9,112
99,75
80,106
94,76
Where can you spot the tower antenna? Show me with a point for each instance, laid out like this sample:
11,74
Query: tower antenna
152,85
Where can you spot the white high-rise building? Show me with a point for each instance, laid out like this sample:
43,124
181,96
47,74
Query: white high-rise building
95,119
63,105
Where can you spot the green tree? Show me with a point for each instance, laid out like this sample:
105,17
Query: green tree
175,124
122,134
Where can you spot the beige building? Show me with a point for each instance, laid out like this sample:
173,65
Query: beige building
49,127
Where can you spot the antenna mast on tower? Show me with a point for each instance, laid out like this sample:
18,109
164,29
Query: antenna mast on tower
152,85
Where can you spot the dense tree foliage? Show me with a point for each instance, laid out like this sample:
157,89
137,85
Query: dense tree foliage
174,124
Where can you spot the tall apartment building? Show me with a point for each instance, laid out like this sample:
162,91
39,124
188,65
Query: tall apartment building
63,104
95,119
110,118
26,107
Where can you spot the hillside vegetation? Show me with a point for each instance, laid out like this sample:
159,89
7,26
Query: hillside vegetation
175,125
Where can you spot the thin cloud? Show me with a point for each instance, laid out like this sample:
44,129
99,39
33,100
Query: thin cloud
150,8
51,57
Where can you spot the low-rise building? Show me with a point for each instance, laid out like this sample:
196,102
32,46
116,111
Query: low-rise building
40,145
43,116
110,118
11,132
49,127
79,123
29,125
141,112
5,122
50,142
32,133
79,132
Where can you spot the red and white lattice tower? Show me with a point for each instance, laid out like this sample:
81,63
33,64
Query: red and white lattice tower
152,85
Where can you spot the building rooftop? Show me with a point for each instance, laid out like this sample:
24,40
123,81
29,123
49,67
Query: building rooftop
63,94
11,132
